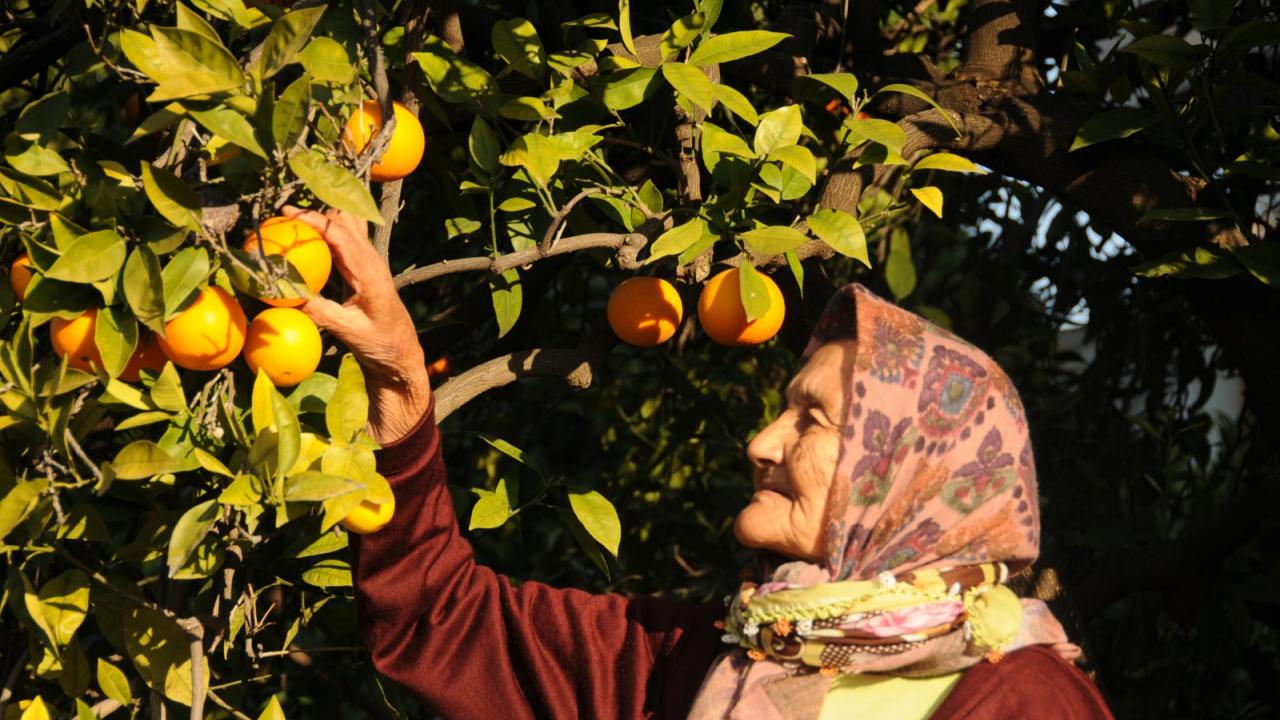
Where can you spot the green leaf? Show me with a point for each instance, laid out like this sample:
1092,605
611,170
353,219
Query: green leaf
244,491
113,682
141,50
716,141
288,433
492,509
949,163
335,185
144,288
288,35
798,158
845,84
677,239
90,258
625,89
651,197
517,42
1262,260
778,128
598,517
1113,125
289,115
1165,51
167,393
736,103
227,124
690,82
326,61
32,158
899,269
774,239
190,529
188,19
182,277
624,27
930,197
734,46
919,95
1207,263
483,144
842,232
171,197
160,650
191,64
18,503
527,109
348,410
752,291
537,154
311,486
116,336
507,295
323,545
330,572
41,119
454,79
680,35
1191,214
879,131
64,602
37,710
142,459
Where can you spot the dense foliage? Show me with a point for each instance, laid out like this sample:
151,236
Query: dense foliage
1113,247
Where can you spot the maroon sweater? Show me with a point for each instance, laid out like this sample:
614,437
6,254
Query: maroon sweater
471,644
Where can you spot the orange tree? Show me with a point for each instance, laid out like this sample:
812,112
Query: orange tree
173,523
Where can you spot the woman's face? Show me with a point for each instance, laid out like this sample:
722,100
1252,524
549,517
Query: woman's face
795,460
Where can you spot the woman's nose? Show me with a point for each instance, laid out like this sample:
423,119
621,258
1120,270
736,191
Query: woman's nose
768,447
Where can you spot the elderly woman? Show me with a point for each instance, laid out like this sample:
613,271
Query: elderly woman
898,485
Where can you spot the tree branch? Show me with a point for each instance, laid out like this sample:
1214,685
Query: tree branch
628,246
576,367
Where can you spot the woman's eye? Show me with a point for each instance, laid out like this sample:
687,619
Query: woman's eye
816,416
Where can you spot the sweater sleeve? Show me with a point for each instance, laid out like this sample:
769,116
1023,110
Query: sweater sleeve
1029,683
473,645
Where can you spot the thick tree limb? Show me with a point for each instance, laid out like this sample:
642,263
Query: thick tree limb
628,246
577,367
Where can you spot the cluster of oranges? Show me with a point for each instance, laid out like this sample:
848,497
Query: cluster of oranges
645,311
212,330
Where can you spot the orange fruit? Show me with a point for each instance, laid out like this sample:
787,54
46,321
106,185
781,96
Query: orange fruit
73,339
368,517
20,276
862,115
301,245
285,344
208,334
721,314
645,311
407,141
147,356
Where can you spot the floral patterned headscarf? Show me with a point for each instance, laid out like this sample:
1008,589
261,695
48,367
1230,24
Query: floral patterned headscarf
933,504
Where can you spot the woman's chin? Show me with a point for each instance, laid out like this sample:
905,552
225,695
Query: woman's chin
757,524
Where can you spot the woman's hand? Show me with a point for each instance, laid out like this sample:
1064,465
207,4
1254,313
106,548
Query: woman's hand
373,323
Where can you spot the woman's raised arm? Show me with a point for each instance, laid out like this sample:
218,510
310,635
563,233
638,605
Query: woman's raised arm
468,641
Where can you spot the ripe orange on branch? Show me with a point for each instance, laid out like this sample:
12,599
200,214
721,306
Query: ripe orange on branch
408,141
285,344
368,517
301,245
20,276
207,335
722,316
73,339
645,311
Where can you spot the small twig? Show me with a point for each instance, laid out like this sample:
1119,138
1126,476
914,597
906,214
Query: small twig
628,245
309,651
199,683
556,228
217,700
80,453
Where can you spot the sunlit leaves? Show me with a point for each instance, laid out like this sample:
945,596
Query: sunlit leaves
734,46
778,128
453,78
287,37
1113,125
326,61
347,411
90,258
335,185
190,529
690,82
493,507
171,197
625,89
188,63
842,232
517,42
507,296
753,292
949,163
598,517
773,240
930,197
